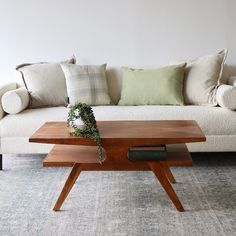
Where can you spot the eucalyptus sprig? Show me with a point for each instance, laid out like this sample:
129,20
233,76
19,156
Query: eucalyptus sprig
85,113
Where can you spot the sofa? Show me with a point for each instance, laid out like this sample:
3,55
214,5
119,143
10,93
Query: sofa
217,122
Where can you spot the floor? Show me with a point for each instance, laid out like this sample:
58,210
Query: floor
118,203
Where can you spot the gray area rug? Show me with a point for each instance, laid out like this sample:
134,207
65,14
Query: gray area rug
117,203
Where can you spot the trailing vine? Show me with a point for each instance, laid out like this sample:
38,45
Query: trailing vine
89,130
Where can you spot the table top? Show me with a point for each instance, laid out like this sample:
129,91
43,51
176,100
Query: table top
134,132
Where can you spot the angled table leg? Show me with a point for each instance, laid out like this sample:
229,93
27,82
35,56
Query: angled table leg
169,174
159,172
74,174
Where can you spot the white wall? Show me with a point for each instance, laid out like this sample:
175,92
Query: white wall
124,32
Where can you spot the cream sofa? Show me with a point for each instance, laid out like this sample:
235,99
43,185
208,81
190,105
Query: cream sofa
218,123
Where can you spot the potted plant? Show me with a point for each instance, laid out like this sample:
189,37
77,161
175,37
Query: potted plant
89,129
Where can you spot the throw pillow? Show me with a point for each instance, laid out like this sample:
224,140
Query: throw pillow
45,82
86,84
162,86
202,77
15,101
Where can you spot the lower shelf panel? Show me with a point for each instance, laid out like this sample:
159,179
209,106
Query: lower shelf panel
68,155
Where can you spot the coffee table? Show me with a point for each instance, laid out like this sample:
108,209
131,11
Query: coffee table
117,137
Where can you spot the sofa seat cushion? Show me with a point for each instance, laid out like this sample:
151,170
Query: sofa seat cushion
30,120
212,120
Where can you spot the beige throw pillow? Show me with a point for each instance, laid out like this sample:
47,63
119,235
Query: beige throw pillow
45,83
87,84
202,77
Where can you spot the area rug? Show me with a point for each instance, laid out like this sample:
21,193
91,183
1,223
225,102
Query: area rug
117,203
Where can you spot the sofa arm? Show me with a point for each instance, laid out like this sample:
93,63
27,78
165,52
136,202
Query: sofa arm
3,89
232,81
226,96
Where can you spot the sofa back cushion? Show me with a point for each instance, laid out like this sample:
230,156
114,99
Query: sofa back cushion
45,82
225,75
114,83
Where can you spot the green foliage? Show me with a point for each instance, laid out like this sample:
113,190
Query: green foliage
85,113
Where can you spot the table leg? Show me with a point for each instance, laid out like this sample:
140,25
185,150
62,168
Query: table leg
169,174
159,172
74,174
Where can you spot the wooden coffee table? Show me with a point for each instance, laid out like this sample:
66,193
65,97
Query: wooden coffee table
117,137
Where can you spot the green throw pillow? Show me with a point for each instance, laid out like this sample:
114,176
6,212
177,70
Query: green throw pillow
162,86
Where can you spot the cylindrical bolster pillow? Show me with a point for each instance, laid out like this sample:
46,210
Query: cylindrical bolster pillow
226,96
3,90
15,101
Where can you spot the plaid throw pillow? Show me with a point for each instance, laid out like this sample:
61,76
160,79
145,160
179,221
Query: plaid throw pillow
86,84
